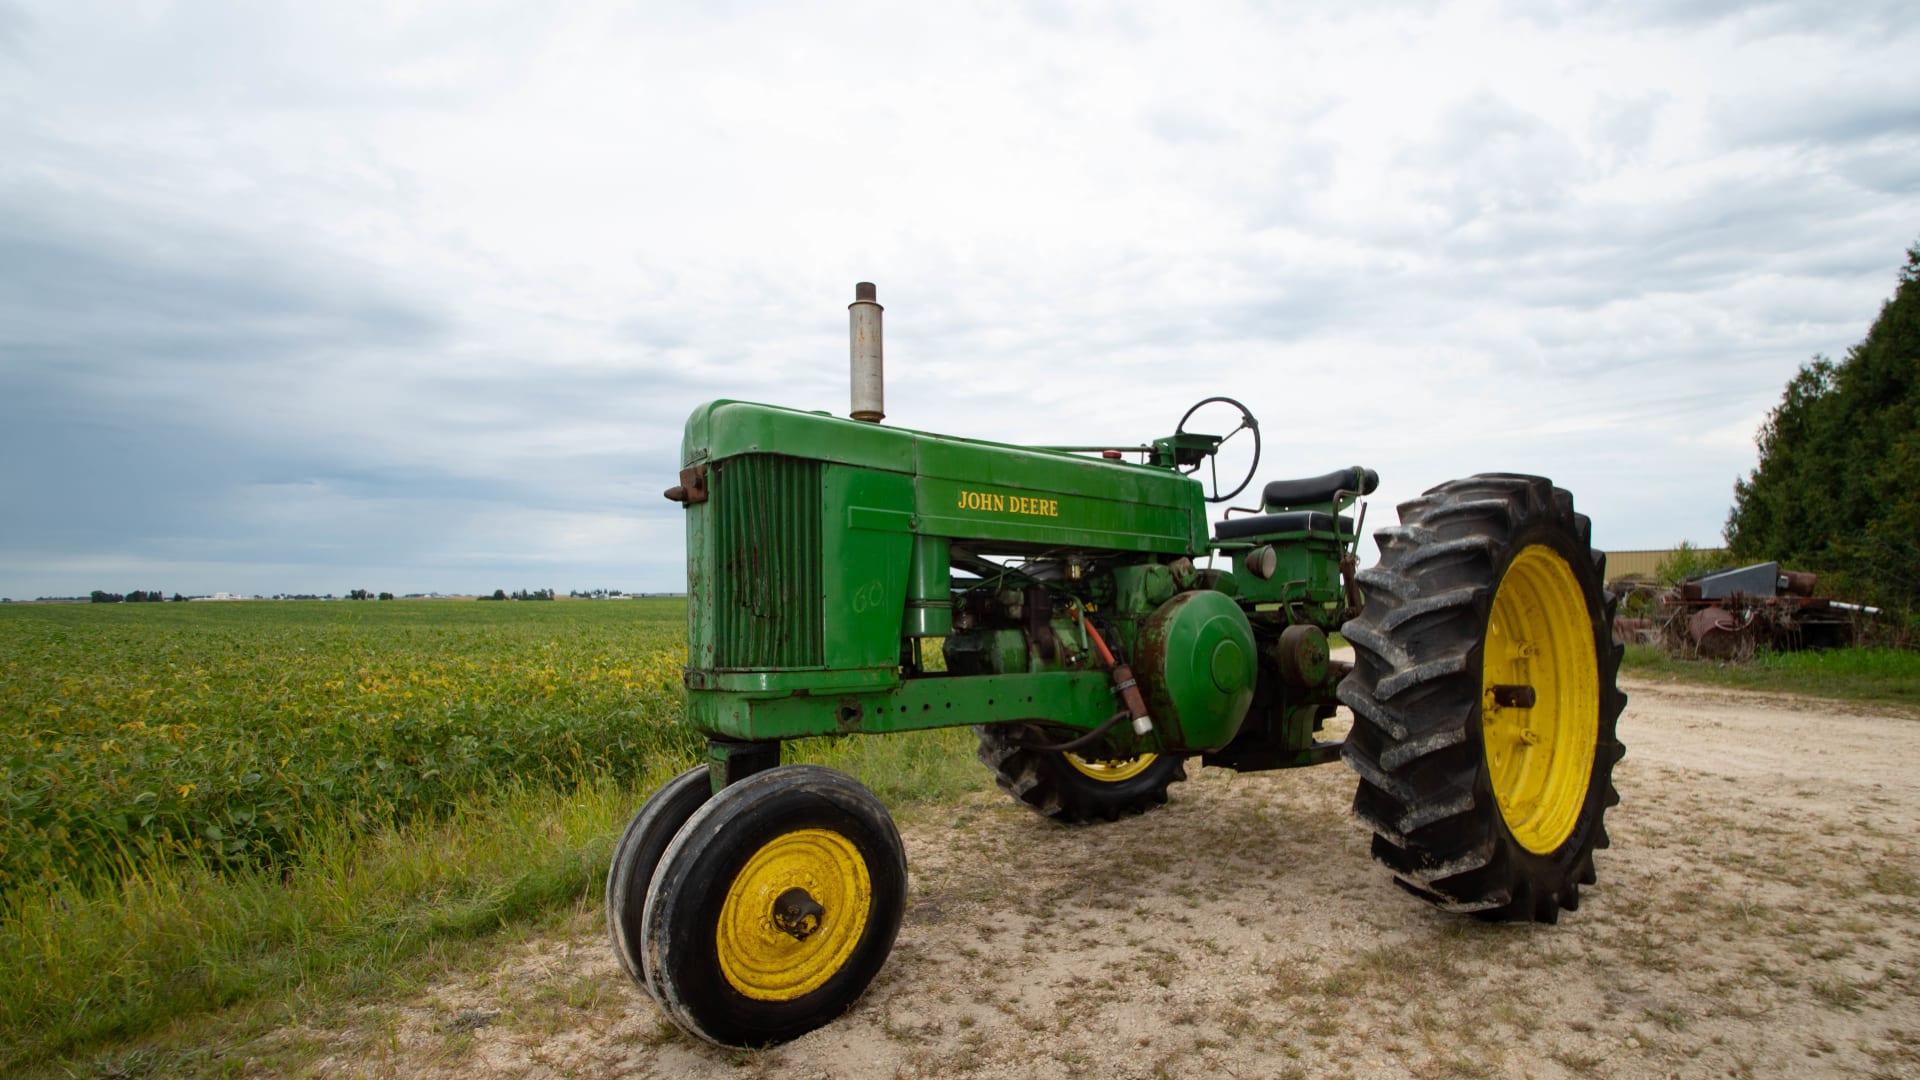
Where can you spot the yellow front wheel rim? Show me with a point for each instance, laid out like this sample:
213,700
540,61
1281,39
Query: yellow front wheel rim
794,915
1112,771
1540,757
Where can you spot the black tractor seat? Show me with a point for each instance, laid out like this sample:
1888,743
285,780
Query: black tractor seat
1319,489
1291,521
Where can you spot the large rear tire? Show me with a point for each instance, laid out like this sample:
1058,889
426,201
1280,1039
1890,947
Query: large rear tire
1073,789
1484,699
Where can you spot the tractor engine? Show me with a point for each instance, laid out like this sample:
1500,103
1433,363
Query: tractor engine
1193,649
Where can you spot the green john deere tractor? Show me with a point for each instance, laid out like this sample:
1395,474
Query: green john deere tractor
1094,654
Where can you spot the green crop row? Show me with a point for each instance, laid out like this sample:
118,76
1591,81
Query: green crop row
228,732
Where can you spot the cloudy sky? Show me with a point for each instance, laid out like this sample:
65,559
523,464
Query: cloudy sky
416,296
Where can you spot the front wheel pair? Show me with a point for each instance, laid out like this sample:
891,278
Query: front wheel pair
761,913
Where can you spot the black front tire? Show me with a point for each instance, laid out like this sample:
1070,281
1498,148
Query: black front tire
638,855
1486,593
774,907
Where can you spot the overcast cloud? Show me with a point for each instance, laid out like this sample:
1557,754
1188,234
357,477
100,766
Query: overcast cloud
416,297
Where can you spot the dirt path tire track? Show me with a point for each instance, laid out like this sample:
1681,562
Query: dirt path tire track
1758,915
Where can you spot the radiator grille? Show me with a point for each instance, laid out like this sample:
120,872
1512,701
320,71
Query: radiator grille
766,580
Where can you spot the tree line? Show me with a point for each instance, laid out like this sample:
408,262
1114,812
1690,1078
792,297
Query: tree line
155,596
1837,488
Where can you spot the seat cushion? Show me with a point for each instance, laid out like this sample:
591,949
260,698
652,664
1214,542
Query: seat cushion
1292,521
1319,489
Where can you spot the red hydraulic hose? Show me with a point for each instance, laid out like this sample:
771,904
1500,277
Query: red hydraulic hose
1100,643
1123,680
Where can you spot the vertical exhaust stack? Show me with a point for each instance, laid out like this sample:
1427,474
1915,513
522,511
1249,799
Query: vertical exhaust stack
869,378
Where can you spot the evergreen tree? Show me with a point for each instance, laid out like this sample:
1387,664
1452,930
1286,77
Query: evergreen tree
1838,484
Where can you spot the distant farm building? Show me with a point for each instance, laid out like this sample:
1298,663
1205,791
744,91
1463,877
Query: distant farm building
1643,564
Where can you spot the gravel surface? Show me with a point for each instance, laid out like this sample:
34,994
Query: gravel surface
1757,915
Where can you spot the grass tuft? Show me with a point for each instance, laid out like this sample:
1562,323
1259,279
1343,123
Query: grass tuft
177,938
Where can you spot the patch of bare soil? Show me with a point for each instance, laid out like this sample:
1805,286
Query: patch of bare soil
1757,915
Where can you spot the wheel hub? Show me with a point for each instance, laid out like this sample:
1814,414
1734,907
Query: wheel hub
1540,698
797,914
794,914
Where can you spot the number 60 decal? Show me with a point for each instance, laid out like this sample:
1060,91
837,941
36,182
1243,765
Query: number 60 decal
868,596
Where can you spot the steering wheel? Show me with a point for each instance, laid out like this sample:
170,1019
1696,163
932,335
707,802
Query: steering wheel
1247,423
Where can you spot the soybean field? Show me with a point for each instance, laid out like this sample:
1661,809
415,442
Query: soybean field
228,733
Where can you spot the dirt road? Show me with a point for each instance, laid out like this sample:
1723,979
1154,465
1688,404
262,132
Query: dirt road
1757,915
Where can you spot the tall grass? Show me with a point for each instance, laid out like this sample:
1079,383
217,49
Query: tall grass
1889,676
178,937
175,938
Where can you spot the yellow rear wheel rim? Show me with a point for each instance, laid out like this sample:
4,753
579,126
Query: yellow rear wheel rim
1539,635
1114,770
767,963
